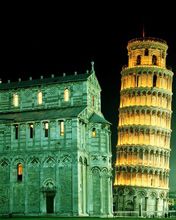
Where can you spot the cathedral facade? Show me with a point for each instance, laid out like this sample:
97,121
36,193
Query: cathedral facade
55,149
144,130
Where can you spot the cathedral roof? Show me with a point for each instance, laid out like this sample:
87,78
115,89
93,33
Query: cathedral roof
45,114
95,118
45,81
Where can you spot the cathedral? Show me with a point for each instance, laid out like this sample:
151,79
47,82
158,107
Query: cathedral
55,148
144,130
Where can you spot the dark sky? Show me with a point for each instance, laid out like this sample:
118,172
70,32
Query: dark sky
53,38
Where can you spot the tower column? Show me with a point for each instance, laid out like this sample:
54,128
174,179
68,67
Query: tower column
146,204
157,202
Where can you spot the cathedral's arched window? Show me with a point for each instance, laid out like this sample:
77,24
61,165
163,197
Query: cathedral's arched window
15,100
31,130
138,61
16,127
39,98
93,132
61,128
19,172
66,95
146,53
46,127
154,80
154,60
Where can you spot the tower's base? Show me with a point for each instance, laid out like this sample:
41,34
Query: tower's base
140,201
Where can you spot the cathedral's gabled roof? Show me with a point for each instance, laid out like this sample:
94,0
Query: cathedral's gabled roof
95,118
45,114
45,81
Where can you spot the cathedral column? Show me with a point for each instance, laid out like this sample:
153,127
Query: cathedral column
85,188
11,189
101,195
42,194
110,199
26,188
57,200
75,181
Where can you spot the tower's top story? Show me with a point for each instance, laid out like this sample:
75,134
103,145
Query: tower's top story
147,51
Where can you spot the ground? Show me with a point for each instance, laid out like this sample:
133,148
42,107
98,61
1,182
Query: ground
82,218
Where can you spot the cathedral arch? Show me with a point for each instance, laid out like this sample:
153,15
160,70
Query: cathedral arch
85,161
33,161
19,172
104,171
95,170
49,162
18,160
4,162
66,160
80,160
48,185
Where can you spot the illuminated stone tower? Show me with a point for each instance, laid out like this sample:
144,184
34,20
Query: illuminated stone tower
143,149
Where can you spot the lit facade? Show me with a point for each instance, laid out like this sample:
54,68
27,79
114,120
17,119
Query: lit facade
55,153
143,148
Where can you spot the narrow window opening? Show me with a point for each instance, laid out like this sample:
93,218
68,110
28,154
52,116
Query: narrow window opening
154,80
15,100
61,128
137,80
46,126
93,132
31,130
93,101
40,98
66,95
162,55
141,155
146,53
19,172
154,60
138,61
16,131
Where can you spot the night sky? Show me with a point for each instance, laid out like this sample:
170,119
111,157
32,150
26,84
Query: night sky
53,38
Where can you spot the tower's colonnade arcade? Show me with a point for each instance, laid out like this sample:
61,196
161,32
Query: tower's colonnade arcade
144,129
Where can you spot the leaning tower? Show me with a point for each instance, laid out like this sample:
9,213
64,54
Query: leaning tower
143,149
